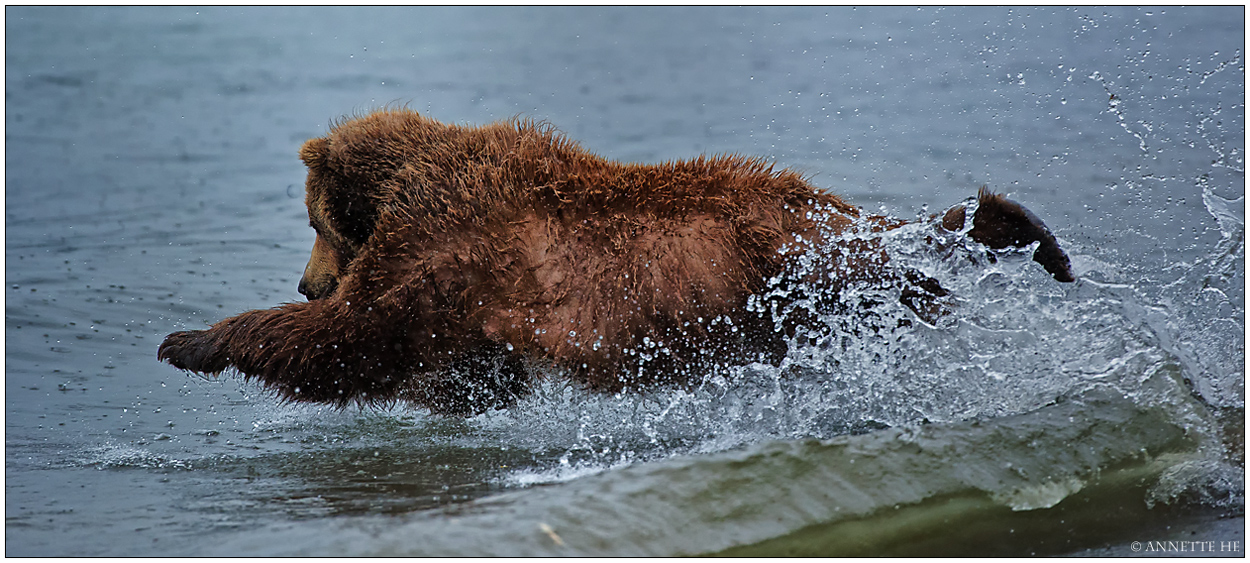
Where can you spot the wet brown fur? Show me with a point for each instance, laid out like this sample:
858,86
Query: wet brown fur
448,257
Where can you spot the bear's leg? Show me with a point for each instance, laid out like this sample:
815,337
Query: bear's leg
999,222
483,379
313,352
923,295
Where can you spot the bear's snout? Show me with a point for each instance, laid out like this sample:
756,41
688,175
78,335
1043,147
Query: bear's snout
321,274
303,288
315,291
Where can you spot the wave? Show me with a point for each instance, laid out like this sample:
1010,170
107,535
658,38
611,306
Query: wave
797,497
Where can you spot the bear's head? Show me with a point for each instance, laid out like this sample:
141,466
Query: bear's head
350,173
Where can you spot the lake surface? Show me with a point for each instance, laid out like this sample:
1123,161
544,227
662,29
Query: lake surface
152,185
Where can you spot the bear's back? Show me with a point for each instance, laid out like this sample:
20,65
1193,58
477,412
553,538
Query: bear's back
562,253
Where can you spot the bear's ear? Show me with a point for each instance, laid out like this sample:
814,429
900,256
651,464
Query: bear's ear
315,152
347,206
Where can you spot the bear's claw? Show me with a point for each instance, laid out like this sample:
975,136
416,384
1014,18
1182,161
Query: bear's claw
191,350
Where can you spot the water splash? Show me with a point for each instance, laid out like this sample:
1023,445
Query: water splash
122,456
1012,341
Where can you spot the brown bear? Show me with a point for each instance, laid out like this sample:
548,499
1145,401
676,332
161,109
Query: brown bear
450,261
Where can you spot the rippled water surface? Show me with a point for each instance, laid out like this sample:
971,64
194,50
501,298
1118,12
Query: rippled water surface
152,185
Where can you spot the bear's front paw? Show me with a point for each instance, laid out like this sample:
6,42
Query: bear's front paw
193,350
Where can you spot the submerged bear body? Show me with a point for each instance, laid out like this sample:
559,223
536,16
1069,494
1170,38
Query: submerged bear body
450,260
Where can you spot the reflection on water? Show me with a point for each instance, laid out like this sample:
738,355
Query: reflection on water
152,185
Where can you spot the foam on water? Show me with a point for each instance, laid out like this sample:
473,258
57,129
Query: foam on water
114,456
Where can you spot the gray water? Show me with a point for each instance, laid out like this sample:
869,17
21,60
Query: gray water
152,185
